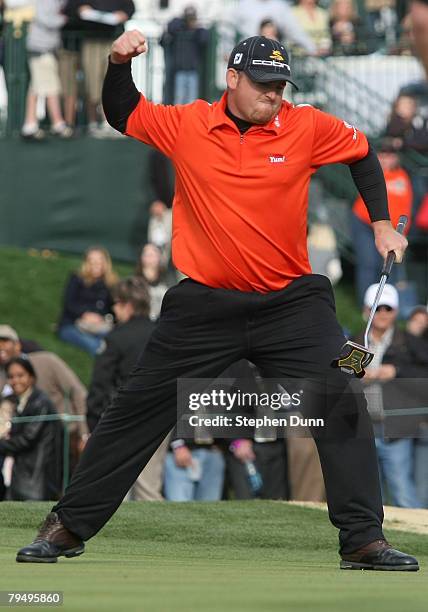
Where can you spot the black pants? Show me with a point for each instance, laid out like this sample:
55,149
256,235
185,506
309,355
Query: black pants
287,333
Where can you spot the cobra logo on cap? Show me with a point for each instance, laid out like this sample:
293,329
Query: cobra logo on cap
276,55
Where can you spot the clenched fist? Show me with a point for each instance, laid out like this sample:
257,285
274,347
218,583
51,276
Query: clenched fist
387,239
128,45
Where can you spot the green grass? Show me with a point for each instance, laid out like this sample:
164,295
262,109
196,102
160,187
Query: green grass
348,312
206,557
31,288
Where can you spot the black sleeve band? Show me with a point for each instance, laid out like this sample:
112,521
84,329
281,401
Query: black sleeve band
120,96
370,182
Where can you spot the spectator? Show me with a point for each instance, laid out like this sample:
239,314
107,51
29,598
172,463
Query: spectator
417,322
421,464
407,125
185,43
152,267
256,467
306,481
382,20
164,10
194,471
404,44
101,21
398,358
346,28
43,40
417,325
69,59
399,189
122,346
35,446
159,230
269,29
245,19
402,114
161,176
314,21
55,378
7,408
112,366
30,346
419,20
269,459
323,250
1,33
87,311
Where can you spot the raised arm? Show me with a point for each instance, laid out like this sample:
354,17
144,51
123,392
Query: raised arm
126,109
120,96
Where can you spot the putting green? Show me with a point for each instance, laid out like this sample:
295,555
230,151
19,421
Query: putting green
206,557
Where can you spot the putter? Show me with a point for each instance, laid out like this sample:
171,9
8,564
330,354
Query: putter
355,357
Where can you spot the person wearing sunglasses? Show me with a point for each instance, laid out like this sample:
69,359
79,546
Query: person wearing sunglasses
397,378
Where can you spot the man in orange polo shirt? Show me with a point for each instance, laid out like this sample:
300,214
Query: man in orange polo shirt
243,167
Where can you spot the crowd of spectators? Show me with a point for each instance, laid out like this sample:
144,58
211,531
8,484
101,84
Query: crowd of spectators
408,129
45,376
68,42
397,380
112,319
403,155
263,464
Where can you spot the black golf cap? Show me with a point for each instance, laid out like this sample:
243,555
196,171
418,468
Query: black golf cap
262,59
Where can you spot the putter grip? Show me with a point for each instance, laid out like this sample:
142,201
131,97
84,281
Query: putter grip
387,266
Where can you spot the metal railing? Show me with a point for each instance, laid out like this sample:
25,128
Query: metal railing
359,87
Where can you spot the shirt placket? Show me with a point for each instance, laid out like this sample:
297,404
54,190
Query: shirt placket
241,150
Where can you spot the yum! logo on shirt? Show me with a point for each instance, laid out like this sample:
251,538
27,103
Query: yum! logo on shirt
277,159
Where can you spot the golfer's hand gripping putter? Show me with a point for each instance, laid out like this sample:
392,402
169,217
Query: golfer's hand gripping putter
355,357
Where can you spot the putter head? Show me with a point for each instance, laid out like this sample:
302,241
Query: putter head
353,359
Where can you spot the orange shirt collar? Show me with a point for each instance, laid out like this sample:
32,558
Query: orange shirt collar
218,118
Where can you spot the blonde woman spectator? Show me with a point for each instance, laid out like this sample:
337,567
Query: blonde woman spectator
87,313
314,21
43,40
